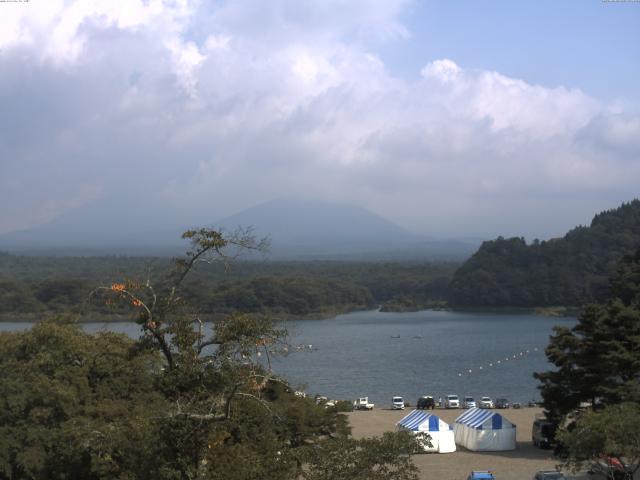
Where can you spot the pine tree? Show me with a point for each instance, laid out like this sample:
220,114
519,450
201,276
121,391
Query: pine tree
598,360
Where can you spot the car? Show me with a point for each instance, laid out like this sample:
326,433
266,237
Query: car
502,403
543,433
486,402
397,403
549,475
451,401
426,402
481,475
469,402
362,403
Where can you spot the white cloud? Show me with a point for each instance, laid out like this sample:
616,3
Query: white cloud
206,109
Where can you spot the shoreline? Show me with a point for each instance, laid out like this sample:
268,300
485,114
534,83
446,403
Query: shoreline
559,312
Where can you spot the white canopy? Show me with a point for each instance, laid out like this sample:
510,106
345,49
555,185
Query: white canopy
484,430
441,433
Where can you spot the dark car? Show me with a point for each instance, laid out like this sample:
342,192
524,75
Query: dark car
502,403
426,403
543,433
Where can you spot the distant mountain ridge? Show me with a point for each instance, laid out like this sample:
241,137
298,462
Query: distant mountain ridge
568,271
299,229
302,228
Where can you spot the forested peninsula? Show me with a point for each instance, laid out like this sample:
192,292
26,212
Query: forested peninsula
32,287
568,271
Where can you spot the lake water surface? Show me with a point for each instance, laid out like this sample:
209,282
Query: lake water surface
382,354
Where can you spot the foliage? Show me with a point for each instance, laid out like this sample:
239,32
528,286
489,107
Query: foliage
365,459
52,285
180,403
598,360
609,437
76,406
568,271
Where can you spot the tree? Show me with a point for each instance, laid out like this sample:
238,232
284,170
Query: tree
182,402
77,406
609,439
598,360
366,459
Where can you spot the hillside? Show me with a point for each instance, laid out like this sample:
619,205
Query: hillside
568,271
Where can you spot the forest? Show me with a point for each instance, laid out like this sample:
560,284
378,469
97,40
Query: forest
33,286
568,271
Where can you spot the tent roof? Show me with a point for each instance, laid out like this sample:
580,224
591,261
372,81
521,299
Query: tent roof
480,418
418,418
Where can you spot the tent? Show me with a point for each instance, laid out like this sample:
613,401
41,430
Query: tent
441,433
484,430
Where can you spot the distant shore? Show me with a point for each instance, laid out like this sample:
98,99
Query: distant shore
280,316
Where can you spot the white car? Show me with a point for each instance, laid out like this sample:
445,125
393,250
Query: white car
362,403
397,403
469,402
451,401
486,402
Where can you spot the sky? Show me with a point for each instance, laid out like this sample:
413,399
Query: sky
450,118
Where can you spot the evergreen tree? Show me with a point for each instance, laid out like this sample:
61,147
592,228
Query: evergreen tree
598,360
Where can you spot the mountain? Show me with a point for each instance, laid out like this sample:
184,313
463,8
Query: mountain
299,229
302,228
96,229
568,271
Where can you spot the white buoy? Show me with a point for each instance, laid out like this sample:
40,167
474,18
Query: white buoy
459,374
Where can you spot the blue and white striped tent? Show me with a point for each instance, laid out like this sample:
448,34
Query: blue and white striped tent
484,430
441,433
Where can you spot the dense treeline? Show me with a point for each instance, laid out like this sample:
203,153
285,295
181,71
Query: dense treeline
42,285
569,271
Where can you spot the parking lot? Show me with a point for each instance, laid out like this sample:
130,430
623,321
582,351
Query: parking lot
519,464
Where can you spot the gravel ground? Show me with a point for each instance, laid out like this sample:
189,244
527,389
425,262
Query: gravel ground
519,464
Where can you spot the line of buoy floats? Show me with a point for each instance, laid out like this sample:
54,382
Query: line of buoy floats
515,356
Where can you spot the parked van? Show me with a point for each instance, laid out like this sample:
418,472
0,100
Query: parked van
397,403
543,433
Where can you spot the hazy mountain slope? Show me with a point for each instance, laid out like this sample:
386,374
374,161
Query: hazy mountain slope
98,228
571,271
299,229
294,220
304,228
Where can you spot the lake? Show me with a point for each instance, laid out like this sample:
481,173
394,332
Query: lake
380,354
